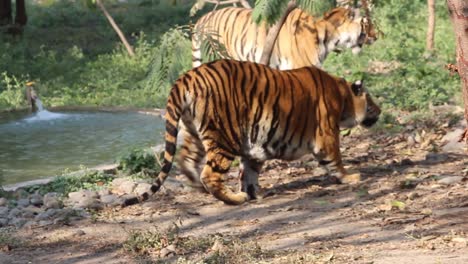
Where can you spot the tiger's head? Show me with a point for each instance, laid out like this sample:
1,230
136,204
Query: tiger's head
352,30
359,109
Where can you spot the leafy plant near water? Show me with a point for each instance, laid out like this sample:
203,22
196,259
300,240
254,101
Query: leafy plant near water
138,160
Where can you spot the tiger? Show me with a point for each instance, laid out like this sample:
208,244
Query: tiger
302,41
229,109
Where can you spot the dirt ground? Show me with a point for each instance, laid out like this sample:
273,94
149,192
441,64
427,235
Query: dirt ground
408,208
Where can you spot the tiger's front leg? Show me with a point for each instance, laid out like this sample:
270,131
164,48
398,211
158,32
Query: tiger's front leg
330,157
249,172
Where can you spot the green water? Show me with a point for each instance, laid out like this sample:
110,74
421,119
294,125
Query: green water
34,147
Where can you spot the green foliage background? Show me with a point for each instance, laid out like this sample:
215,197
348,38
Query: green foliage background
77,59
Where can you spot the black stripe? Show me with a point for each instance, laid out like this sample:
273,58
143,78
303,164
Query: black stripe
170,147
167,166
171,129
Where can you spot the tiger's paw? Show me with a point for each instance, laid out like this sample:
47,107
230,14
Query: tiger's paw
237,198
351,178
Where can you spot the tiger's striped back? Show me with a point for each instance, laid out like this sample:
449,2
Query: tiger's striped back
249,110
302,40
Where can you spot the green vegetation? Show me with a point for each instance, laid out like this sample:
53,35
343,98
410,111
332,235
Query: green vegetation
397,68
138,160
64,184
77,59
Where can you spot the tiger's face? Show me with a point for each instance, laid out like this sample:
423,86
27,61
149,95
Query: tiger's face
353,30
361,109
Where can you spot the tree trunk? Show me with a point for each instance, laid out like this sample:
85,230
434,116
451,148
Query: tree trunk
273,34
430,25
5,12
116,28
458,10
21,18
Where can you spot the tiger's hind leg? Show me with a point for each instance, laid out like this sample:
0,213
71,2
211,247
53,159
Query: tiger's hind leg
190,158
218,162
250,170
191,153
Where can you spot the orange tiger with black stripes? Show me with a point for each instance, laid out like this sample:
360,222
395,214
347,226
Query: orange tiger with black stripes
302,41
240,109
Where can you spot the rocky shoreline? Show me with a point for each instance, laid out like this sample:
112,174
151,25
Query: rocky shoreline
35,210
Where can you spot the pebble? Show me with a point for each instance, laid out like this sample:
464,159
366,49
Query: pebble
127,187
14,213
22,202
36,199
437,157
110,199
3,222
3,201
80,232
450,180
18,222
51,200
4,211
47,214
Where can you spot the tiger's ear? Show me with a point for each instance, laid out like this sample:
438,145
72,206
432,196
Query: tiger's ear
357,88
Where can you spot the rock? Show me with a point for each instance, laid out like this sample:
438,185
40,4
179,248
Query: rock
3,201
29,224
22,202
460,240
143,190
31,211
126,187
413,195
110,199
84,199
437,157
171,247
36,199
88,203
4,211
167,251
450,180
47,214
452,144
51,200
122,186
80,232
17,222
45,223
15,212
3,222
410,140
103,192
76,196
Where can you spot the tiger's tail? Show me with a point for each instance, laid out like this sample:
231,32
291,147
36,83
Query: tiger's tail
174,109
196,47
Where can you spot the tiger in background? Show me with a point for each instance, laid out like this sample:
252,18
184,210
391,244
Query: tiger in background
240,109
302,41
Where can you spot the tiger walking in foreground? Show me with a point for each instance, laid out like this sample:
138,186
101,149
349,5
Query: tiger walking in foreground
230,108
302,41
